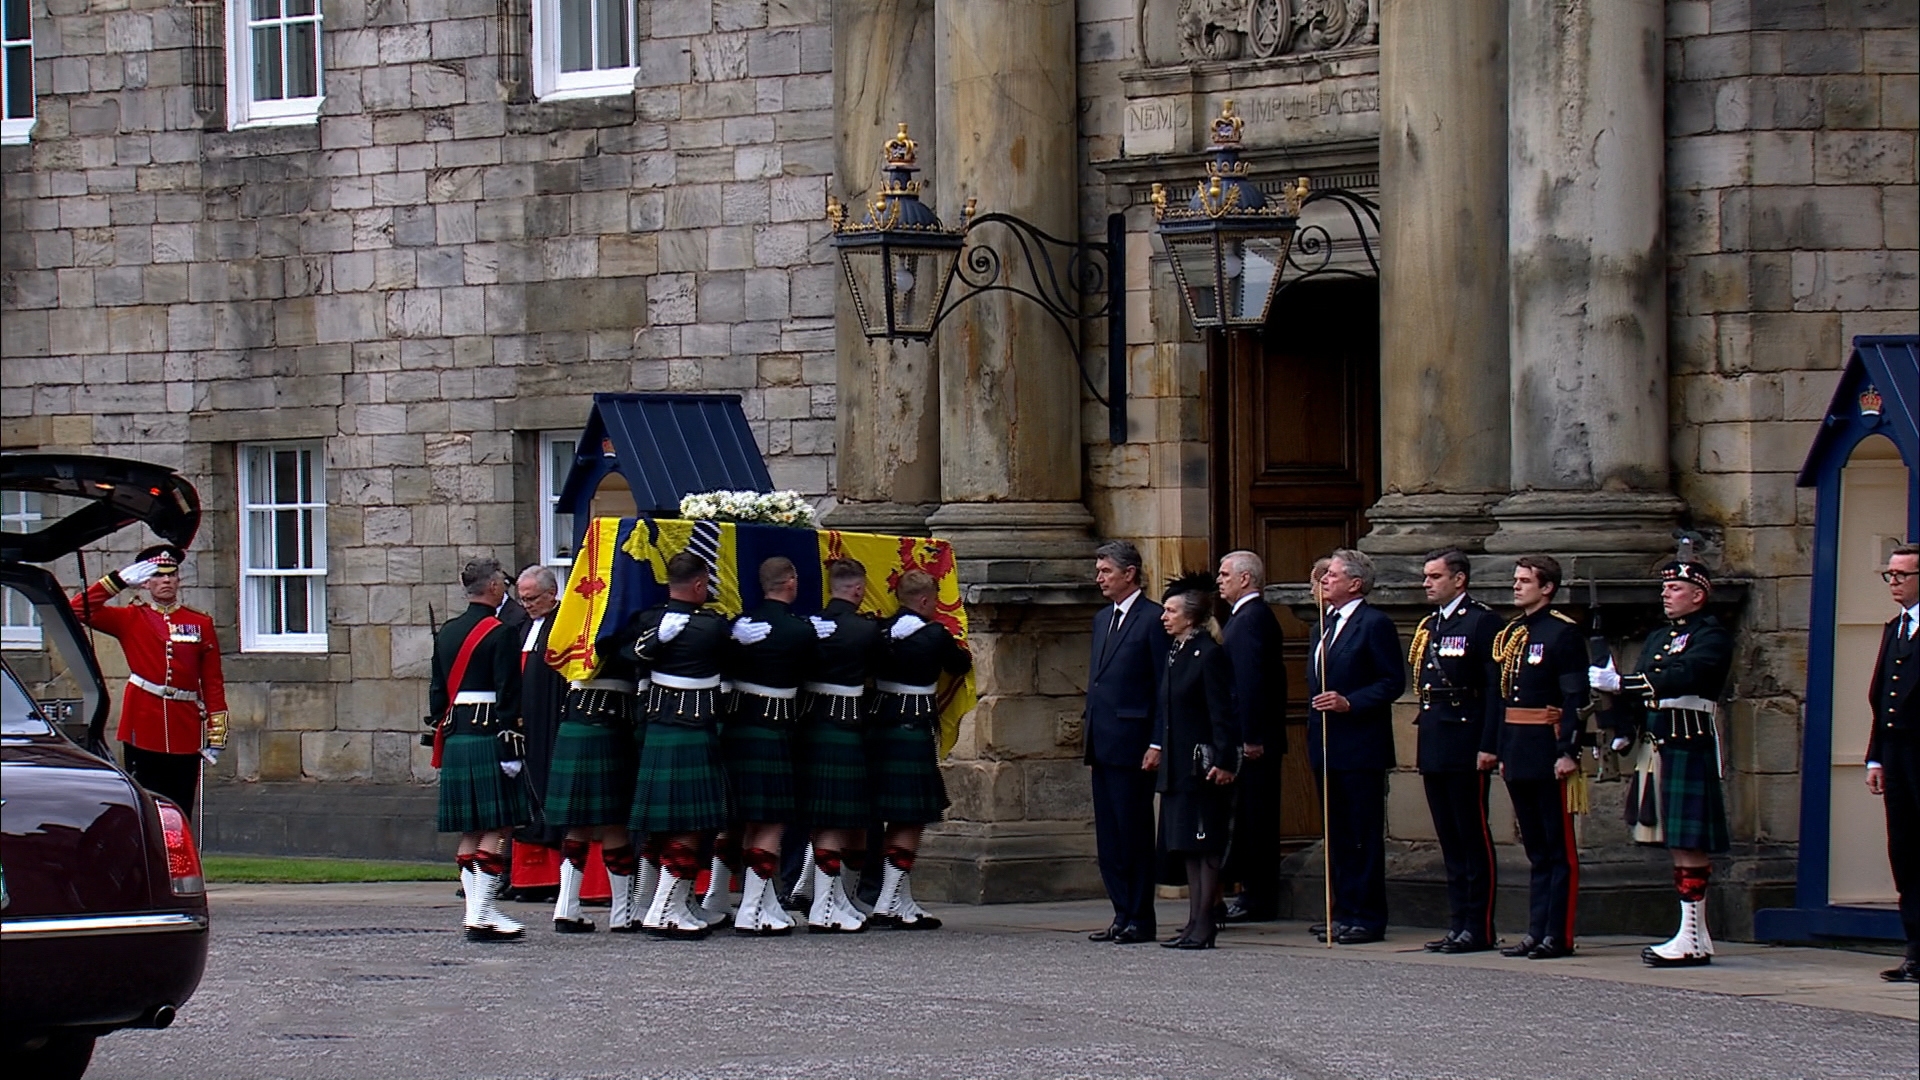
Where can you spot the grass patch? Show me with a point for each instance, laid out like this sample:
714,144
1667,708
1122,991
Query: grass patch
271,870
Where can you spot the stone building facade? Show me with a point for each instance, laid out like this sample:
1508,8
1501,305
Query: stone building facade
1622,249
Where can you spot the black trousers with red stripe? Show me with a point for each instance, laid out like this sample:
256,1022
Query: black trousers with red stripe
1546,831
1458,801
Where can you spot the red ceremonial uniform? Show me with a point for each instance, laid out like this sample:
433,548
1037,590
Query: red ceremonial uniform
175,660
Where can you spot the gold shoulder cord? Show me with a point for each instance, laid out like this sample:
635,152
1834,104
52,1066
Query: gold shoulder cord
1421,635
1509,645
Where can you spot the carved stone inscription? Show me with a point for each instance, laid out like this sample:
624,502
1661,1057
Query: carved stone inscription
1329,109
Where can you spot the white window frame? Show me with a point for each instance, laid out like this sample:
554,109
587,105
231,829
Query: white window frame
15,130
552,84
253,636
18,514
243,111
551,481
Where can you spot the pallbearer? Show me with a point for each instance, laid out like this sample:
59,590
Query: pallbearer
903,758
834,796
680,794
1669,703
772,652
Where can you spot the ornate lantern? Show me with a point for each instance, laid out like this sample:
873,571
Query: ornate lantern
1228,245
899,262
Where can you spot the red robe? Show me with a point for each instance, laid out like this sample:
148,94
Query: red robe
173,646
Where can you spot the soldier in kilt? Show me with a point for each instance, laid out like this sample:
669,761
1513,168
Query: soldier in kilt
1669,703
903,749
832,758
680,789
479,745
590,788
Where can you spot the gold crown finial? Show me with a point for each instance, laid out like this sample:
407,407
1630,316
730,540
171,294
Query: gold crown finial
1226,126
901,150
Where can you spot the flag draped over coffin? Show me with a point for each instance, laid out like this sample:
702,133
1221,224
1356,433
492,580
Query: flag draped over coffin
621,570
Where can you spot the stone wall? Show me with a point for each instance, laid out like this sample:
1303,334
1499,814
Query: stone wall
437,270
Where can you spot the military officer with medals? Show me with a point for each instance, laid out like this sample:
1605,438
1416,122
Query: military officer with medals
1543,685
771,655
478,744
680,790
835,799
174,712
903,751
1461,711
1669,702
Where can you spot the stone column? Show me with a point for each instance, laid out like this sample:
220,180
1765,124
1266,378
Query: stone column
888,434
1586,259
1009,393
1443,275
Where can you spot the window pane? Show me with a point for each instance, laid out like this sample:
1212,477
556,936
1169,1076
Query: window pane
576,35
19,82
299,7
305,493
266,9
286,539
18,22
286,476
259,539
303,60
563,537
266,64
559,463
297,608
253,467
613,31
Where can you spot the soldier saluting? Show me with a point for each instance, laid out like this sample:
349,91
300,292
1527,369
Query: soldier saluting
1543,684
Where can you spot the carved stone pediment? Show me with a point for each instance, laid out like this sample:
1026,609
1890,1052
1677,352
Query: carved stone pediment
1285,102
1215,30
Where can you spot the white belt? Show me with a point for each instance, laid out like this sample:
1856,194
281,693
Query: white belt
835,689
617,686
475,697
683,682
778,693
1690,703
171,693
886,687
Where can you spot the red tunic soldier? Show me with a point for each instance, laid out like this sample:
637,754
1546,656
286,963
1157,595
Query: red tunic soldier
175,705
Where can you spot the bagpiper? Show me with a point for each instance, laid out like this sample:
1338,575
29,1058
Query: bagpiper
1665,713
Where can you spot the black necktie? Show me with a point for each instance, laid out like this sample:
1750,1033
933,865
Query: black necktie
1113,631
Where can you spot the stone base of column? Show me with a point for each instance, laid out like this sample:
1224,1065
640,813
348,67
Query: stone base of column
1615,534
1005,543
887,518
1406,527
970,862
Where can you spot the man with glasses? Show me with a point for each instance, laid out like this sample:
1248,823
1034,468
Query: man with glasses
1893,748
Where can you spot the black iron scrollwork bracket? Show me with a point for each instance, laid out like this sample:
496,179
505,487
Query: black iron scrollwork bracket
1313,249
1086,281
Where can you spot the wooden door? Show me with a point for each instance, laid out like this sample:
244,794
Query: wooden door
1296,464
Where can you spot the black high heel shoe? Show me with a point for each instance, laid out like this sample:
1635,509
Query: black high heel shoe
1177,941
1200,943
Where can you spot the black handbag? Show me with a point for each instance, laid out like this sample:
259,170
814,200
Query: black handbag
1202,760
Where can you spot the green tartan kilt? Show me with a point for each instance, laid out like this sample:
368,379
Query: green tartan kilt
591,779
760,770
830,763
680,786
1693,805
907,786
475,796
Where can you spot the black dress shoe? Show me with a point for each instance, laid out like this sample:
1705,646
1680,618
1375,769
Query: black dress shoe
1358,935
573,926
1550,948
1199,942
1465,942
1132,935
1108,934
1318,930
1440,944
1908,971
1522,947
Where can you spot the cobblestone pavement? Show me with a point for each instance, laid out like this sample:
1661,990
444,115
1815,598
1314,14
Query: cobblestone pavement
374,982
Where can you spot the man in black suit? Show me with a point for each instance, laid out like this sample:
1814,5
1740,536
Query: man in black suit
1253,639
1893,749
1353,677
1129,653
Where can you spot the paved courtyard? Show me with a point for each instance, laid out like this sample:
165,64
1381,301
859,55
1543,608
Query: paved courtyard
373,982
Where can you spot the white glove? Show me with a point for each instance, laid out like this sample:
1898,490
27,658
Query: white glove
672,623
211,753
906,626
138,573
1620,744
748,632
512,768
822,628
1604,678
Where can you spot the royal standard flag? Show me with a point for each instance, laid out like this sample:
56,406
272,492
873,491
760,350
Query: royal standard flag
621,570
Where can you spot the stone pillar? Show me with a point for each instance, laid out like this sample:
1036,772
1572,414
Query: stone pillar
1009,389
1586,257
888,434
1443,275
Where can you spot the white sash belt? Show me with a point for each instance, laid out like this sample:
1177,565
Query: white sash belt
1690,703
171,693
835,689
778,693
886,687
617,686
684,682
475,697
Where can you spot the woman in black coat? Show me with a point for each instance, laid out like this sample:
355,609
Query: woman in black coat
1194,728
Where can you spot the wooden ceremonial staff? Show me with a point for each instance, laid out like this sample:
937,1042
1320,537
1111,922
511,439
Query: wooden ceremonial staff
1326,802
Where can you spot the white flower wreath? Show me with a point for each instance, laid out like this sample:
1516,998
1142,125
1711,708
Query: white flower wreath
788,508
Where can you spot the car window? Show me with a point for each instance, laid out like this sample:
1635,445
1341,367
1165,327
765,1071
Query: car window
18,714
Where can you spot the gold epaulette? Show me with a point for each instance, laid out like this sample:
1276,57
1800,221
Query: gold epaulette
1421,635
1565,618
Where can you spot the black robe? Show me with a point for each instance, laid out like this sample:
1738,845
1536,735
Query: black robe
543,700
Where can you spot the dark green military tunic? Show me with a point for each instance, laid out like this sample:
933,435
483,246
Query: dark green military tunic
475,796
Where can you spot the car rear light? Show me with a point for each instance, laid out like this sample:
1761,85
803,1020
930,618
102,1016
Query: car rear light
183,859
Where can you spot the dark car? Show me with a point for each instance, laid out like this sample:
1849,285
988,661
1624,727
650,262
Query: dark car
103,911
